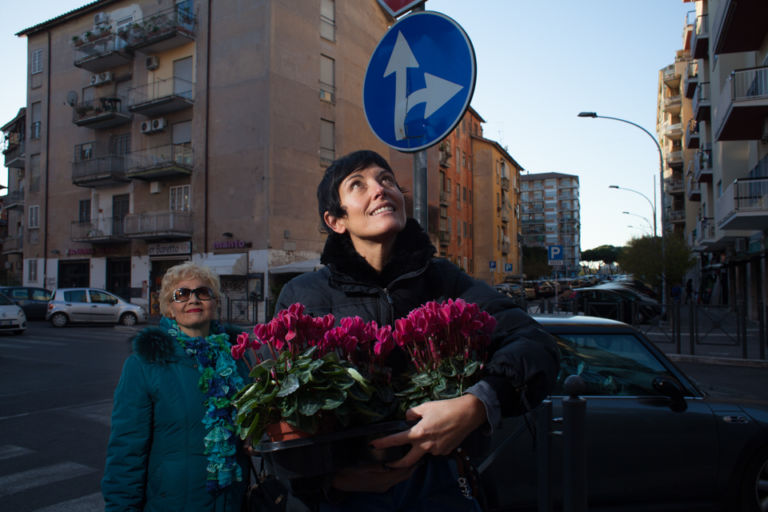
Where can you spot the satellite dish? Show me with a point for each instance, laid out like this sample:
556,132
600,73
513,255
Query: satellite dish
71,98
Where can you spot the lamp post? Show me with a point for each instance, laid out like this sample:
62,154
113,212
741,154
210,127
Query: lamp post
653,204
661,193
640,216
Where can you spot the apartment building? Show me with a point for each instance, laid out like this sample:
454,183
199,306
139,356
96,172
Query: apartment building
725,43
14,153
550,215
497,216
160,131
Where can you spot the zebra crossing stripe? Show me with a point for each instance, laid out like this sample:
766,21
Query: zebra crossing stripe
40,477
90,503
10,451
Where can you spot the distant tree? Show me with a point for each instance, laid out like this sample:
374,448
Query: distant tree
608,254
535,262
642,258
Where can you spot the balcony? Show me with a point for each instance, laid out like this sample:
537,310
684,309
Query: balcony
700,42
674,158
14,199
162,31
744,205
14,151
161,162
670,77
100,51
676,216
504,183
105,171
505,214
101,113
743,105
702,102
13,244
735,26
162,97
445,237
702,165
673,130
692,140
167,225
693,188
506,246
705,232
99,231
673,104
691,79
673,186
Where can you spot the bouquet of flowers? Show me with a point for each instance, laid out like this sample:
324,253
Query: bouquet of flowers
307,370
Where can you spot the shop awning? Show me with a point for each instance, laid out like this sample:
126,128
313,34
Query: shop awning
297,267
227,264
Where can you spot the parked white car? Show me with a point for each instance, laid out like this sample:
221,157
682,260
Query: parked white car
12,317
91,305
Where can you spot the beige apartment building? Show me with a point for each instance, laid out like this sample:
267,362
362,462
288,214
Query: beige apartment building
161,131
551,215
724,69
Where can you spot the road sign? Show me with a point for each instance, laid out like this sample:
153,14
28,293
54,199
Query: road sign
555,254
492,265
508,267
419,81
397,7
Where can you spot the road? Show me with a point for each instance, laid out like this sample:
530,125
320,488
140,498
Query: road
56,390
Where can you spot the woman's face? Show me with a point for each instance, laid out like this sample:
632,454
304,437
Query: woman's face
374,206
193,315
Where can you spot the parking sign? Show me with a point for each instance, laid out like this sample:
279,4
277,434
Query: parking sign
555,254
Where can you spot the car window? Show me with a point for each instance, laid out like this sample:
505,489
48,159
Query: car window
40,294
609,364
102,298
5,301
75,296
17,293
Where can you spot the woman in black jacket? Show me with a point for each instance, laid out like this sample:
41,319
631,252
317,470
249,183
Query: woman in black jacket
380,266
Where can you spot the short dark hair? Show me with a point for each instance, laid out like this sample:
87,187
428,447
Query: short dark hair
328,199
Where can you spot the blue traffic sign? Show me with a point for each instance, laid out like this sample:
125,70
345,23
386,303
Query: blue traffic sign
555,254
508,267
419,81
492,265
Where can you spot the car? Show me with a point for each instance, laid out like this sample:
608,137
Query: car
69,305
654,441
12,317
33,300
513,290
618,302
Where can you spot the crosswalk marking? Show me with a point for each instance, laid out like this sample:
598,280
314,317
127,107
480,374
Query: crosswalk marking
90,503
41,477
10,451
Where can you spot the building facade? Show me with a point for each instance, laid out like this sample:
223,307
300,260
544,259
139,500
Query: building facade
551,215
726,142
14,153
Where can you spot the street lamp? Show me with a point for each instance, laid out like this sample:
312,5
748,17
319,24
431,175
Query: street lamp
644,218
653,204
661,192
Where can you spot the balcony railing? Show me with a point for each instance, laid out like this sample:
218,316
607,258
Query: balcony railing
702,165
162,96
160,162
743,105
691,79
702,102
161,31
13,244
14,199
445,237
99,231
700,43
692,135
693,188
744,205
100,51
99,172
673,130
158,225
504,183
705,231
673,103
14,155
676,216
674,158
104,112
673,186
734,26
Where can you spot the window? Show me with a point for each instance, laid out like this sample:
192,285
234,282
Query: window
120,144
181,137
328,20
34,216
34,172
327,78
36,121
179,198
442,181
327,140
36,62
458,196
84,211
75,296
84,151
102,298
32,270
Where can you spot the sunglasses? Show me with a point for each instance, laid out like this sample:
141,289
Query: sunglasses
184,294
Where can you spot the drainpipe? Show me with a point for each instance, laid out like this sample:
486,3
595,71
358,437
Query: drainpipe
47,162
207,119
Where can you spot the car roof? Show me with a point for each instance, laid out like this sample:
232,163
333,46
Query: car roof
581,323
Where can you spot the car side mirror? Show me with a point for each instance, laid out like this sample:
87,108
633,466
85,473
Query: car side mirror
673,391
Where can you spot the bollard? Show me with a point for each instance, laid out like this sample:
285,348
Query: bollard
574,447
543,451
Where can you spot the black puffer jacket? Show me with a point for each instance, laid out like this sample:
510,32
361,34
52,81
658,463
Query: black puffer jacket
524,356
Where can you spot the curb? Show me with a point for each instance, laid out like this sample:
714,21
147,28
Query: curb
727,361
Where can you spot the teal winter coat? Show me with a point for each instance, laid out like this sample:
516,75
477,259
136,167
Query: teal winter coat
155,460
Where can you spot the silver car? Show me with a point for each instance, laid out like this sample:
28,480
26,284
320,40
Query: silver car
91,305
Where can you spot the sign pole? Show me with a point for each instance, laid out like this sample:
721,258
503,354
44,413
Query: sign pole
420,204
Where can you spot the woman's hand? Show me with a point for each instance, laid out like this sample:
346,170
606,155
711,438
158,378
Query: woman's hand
373,478
442,426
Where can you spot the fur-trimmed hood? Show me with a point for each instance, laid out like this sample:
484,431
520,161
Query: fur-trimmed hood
155,345
412,251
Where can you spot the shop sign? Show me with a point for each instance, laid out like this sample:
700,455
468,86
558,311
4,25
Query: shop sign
231,244
85,251
170,249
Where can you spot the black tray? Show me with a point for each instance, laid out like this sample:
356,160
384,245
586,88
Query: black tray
327,453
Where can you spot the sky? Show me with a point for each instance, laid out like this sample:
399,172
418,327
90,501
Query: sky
538,65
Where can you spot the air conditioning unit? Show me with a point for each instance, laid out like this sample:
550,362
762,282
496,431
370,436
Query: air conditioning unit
101,78
146,127
158,124
100,18
326,96
152,62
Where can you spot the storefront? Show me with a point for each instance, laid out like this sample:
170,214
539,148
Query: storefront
163,256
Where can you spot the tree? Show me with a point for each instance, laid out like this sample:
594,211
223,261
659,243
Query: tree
608,254
642,258
535,262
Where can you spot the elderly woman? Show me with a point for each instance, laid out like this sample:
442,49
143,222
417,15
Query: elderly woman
174,444
380,266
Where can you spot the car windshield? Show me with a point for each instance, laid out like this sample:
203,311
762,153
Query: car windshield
614,364
5,301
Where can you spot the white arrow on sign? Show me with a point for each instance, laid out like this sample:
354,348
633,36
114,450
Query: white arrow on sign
437,92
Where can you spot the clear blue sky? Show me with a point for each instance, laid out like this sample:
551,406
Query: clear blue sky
539,64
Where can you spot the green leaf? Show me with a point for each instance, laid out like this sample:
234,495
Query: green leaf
332,400
471,367
309,405
290,384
